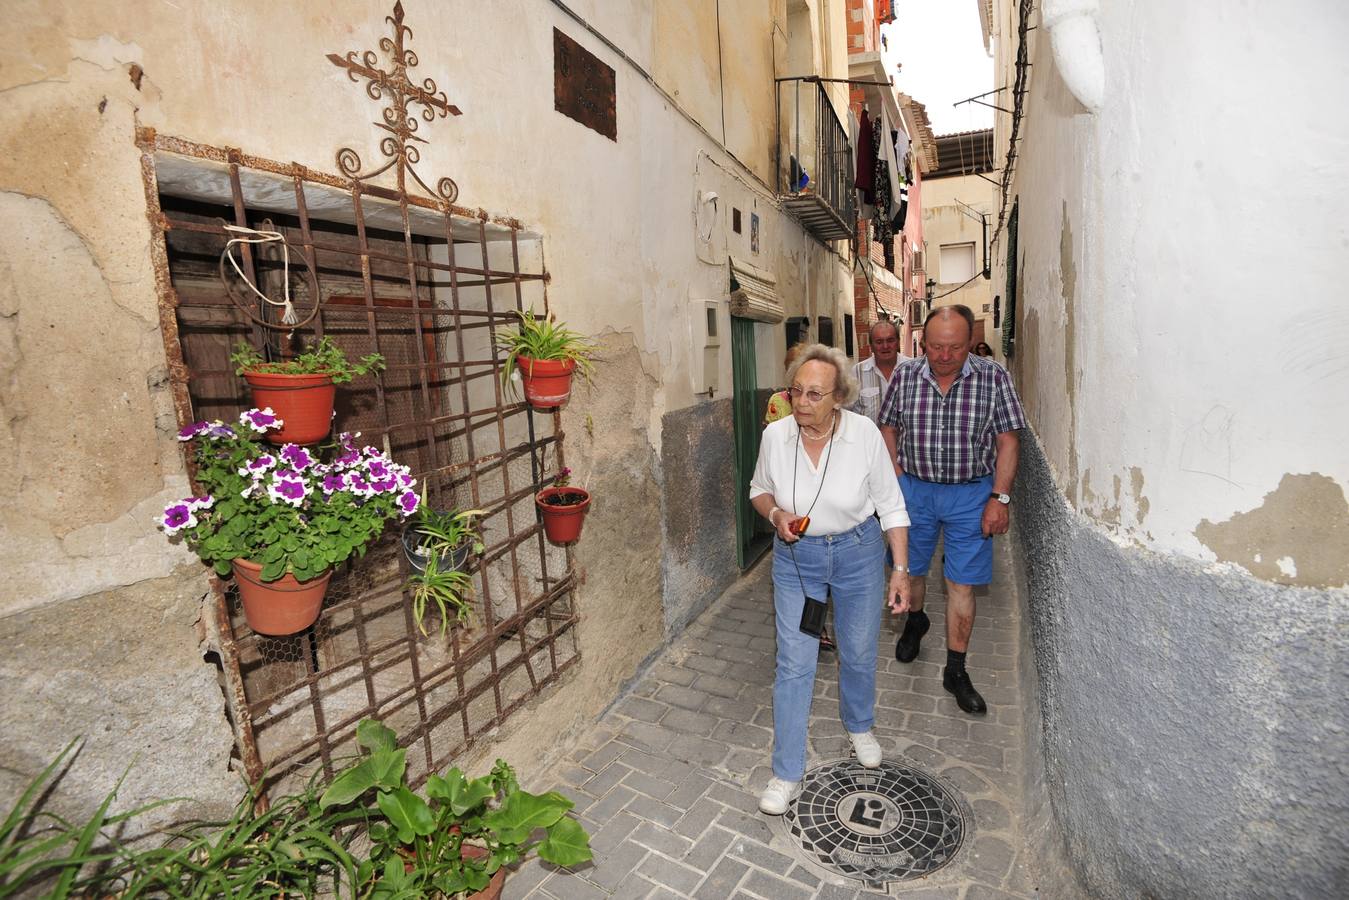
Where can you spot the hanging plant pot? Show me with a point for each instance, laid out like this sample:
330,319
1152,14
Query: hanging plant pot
417,553
303,403
547,381
279,607
564,512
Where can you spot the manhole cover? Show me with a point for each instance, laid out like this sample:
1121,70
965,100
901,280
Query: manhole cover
878,825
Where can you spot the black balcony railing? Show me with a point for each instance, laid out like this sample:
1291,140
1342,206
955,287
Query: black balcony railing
816,172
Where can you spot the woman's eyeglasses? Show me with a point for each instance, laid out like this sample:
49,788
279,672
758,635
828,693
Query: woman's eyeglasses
812,396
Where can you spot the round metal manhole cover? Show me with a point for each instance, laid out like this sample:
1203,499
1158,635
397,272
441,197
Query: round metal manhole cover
890,823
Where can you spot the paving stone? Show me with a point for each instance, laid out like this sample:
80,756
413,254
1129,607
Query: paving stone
986,732
686,721
708,848
763,718
633,885
906,700
646,735
966,780
741,734
580,800
938,726
677,695
830,891
991,857
566,886
741,709
658,765
661,893
734,798
753,828
524,878
604,809
607,779
984,892
928,892
612,867
668,673
689,790
650,785
971,752
762,857
766,885
612,833
766,644
696,750
641,709
718,685
709,665
698,819
574,775
991,815
603,755
662,840
739,763
670,873
803,875
720,883
653,810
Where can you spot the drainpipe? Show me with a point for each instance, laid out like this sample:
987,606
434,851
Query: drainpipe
1076,41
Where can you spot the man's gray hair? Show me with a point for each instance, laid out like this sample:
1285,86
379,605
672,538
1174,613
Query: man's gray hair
845,386
887,323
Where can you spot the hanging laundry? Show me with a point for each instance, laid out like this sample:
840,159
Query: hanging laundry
866,159
884,233
903,212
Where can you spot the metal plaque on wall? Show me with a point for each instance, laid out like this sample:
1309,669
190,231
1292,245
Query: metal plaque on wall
583,87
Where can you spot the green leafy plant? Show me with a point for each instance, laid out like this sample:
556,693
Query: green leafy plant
285,509
326,358
444,532
541,337
448,590
456,836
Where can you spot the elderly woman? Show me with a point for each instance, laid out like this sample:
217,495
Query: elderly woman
827,469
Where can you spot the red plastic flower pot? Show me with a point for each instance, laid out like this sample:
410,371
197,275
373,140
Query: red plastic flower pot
279,607
562,520
547,381
303,403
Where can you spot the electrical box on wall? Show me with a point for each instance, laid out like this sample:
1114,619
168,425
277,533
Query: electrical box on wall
706,318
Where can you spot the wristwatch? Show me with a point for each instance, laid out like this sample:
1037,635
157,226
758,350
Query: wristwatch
1004,499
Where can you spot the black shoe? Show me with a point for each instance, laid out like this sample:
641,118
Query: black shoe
967,697
906,648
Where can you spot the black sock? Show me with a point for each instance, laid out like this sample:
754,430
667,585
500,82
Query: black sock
955,661
917,615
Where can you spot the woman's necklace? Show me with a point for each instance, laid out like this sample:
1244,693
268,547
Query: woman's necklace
806,430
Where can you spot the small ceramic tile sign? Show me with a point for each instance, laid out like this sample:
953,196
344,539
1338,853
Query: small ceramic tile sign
753,232
583,86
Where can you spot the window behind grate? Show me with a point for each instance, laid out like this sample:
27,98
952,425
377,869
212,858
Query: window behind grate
429,289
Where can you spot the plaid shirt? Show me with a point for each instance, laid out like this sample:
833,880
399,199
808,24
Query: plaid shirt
951,439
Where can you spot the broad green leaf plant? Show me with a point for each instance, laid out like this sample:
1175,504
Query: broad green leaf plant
325,359
417,841
285,509
541,337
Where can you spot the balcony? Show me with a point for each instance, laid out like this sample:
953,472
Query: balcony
815,160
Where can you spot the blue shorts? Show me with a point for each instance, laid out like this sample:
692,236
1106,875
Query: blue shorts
957,511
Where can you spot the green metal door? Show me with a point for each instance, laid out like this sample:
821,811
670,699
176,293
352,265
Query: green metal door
751,538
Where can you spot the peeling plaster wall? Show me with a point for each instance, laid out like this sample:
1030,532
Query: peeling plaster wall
1180,350
84,409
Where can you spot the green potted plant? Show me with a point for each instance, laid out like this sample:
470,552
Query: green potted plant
447,588
451,535
546,354
563,507
300,391
281,520
453,838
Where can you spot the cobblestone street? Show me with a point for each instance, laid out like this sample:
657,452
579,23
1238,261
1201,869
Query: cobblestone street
668,781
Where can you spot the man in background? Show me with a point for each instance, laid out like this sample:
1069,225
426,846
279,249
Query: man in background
874,372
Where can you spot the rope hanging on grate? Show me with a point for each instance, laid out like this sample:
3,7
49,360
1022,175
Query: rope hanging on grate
290,320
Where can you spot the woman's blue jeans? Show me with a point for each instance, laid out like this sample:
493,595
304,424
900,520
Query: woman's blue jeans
848,567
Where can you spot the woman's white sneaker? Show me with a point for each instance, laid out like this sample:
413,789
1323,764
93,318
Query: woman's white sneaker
867,749
778,796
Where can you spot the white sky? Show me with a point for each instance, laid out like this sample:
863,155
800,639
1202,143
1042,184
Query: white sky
942,51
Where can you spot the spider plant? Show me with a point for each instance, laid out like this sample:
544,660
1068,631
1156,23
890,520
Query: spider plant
542,337
447,589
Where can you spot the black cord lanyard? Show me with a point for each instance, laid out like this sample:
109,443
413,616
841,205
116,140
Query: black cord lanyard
795,462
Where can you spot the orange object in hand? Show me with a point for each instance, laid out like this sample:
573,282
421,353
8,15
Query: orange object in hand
800,525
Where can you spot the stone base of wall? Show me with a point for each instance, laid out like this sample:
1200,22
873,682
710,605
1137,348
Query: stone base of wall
1194,718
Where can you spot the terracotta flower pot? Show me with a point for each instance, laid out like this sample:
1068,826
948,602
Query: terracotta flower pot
562,521
493,889
279,607
547,381
304,404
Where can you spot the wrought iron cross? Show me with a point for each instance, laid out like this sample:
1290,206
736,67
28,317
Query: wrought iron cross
398,120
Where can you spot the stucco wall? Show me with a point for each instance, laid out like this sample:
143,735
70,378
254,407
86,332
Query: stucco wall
1182,500
87,418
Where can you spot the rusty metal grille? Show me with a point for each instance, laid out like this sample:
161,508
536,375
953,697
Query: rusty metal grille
427,284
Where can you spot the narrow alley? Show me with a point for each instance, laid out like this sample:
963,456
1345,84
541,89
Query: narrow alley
668,782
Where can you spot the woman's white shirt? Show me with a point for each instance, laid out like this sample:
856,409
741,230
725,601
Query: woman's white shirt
858,481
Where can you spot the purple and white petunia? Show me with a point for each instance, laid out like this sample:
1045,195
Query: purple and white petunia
407,503
178,516
260,420
297,456
332,483
193,430
198,503
218,429
288,490
258,467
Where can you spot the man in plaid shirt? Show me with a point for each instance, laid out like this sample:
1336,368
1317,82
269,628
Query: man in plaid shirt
950,421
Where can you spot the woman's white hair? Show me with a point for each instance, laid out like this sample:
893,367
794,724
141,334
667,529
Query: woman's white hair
845,386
